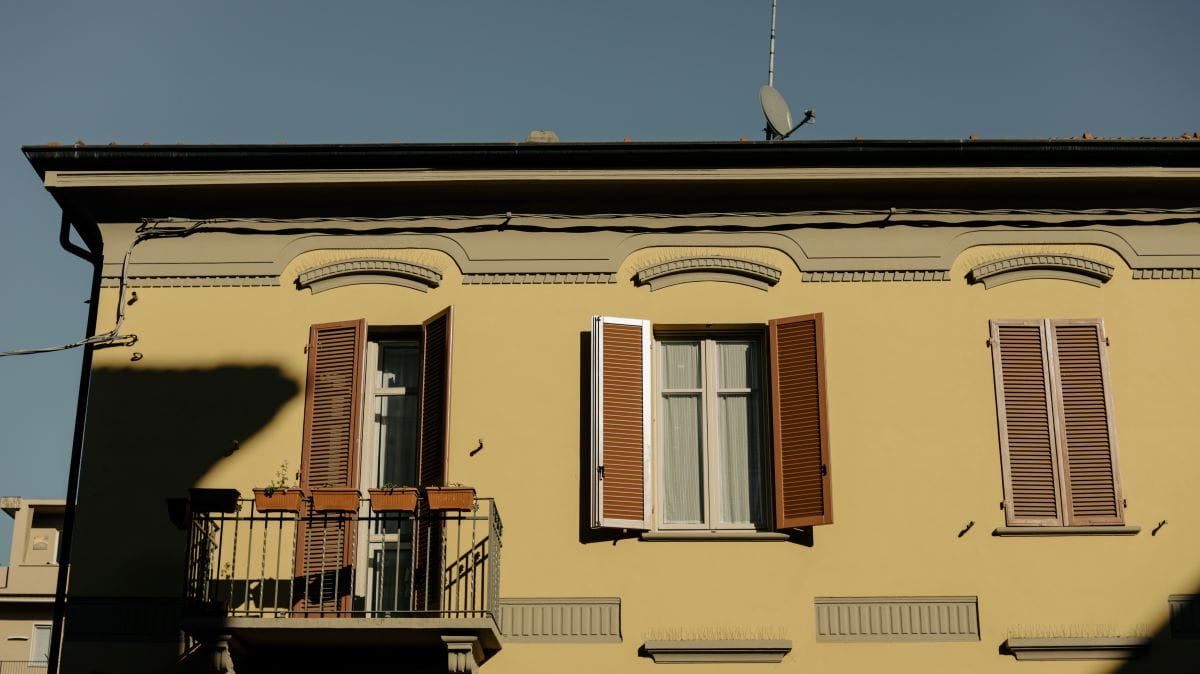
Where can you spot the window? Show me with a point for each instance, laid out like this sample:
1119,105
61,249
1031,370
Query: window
1054,406
402,381
39,647
699,403
710,454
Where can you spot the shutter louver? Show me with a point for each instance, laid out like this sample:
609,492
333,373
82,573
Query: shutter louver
332,410
1027,440
803,481
620,423
1088,447
435,399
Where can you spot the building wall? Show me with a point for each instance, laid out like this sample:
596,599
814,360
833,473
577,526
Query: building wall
915,449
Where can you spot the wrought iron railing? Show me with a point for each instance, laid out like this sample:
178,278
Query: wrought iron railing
397,564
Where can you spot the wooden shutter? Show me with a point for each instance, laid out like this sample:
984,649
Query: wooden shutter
428,564
800,422
332,412
435,399
1025,413
620,446
1087,443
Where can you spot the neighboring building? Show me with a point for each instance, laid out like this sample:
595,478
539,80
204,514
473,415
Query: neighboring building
848,406
27,583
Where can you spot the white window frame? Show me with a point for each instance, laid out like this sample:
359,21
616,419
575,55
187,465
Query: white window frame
370,467
710,396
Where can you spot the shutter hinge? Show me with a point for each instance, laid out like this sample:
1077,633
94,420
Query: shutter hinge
989,342
1106,342
1124,503
1002,505
824,470
600,472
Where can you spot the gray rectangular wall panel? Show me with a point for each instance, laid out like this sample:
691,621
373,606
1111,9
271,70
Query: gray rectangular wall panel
561,619
897,618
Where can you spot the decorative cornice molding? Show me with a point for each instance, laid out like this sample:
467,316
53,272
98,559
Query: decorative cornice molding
1076,648
1024,267
369,271
896,275
718,650
1167,273
708,268
548,278
197,281
897,618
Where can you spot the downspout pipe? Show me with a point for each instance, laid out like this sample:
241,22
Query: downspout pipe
95,255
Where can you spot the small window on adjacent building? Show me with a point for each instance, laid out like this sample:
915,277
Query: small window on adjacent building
39,646
680,423
1054,405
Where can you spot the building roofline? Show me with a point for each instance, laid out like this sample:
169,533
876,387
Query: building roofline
640,155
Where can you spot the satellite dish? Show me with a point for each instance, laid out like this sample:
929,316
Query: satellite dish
779,116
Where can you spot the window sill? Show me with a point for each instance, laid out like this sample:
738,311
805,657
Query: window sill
1111,530
707,535
1076,648
718,650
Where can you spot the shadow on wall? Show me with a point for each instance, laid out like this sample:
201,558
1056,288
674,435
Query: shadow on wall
151,434
1175,645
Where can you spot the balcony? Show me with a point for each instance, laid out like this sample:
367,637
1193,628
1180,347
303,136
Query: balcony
266,586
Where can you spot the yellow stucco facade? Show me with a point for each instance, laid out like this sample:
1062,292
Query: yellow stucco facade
213,395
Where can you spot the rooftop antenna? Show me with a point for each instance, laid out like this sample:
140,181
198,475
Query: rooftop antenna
775,109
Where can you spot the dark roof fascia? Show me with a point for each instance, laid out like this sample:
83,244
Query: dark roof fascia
641,155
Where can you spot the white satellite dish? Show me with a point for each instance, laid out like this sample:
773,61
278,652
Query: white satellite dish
779,116
775,109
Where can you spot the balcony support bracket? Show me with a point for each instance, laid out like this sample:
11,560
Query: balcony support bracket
463,653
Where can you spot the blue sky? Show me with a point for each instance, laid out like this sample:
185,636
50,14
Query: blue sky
219,71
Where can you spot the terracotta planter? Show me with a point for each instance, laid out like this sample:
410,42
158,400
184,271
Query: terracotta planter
396,499
214,500
335,499
450,498
279,500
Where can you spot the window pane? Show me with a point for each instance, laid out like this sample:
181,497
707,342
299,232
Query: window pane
738,365
399,365
681,365
397,419
682,479
393,578
741,472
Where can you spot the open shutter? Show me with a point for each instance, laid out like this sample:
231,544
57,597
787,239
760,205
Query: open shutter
1088,444
1024,409
800,422
332,410
620,448
435,399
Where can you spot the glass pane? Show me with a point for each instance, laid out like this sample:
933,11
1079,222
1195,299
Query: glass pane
399,365
396,417
741,466
392,584
681,365
682,480
738,365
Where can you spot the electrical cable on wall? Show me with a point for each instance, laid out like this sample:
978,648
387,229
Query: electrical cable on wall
146,231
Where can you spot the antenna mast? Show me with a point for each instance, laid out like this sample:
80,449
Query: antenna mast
771,66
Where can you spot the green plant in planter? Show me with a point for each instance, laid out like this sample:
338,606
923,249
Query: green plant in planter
280,481
280,494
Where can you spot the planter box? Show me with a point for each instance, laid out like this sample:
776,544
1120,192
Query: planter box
450,498
397,499
214,500
335,499
279,500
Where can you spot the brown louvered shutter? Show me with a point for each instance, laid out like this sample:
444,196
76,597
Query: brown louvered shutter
1087,442
800,422
431,458
332,411
620,446
435,399
1024,408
